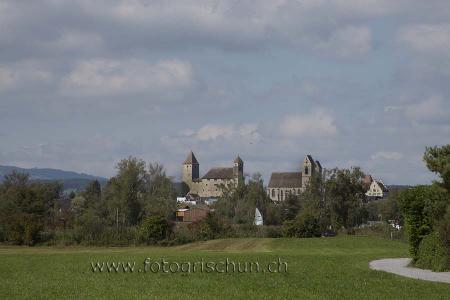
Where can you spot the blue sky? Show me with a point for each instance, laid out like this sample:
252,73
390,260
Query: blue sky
84,84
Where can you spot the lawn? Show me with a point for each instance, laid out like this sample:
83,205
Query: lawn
321,268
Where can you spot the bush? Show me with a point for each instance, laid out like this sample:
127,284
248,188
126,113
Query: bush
154,229
90,228
432,254
422,206
304,226
274,231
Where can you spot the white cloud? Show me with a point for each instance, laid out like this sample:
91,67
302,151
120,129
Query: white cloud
24,75
112,77
386,155
318,123
80,41
249,131
212,132
348,42
431,110
427,38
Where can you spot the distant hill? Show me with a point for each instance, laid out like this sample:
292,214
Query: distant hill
70,180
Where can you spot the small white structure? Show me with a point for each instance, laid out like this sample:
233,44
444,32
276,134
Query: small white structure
377,189
210,201
185,201
258,218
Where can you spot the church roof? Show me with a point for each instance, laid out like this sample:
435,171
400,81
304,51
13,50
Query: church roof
219,173
191,160
286,180
318,164
311,160
238,160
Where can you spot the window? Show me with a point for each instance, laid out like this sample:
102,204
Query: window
281,193
306,170
273,193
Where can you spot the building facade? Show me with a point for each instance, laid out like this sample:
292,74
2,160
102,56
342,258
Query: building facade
283,184
377,190
210,185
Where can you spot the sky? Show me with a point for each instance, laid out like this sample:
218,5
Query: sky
84,84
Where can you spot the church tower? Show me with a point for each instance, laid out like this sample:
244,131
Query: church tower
238,169
308,169
190,169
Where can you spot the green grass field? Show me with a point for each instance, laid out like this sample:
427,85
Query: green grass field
321,268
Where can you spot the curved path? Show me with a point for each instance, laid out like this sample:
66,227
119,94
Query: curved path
400,267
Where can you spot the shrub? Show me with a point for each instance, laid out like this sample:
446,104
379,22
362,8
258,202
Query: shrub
422,206
273,231
154,229
304,226
432,254
90,228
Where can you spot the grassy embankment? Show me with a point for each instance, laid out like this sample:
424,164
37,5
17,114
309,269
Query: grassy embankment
321,268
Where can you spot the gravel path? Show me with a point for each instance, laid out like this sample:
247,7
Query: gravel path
400,267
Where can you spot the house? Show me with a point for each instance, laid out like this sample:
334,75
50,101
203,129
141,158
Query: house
210,185
193,214
377,190
283,184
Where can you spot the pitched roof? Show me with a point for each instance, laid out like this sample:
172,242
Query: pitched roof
191,160
238,160
311,159
219,173
381,185
318,164
286,180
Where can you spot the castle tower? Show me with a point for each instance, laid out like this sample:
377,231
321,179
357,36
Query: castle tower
190,169
238,168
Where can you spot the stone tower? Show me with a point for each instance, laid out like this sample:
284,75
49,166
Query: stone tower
308,169
190,169
238,168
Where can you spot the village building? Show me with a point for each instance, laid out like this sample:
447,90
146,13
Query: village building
377,190
283,184
210,185
193,214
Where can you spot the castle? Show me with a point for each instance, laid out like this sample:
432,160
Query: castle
281,185
209,186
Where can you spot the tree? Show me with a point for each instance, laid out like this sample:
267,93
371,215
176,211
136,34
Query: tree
346,195
160,194
124,192
290,207
26,209
438,161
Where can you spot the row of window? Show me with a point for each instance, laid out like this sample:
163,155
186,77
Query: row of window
282,195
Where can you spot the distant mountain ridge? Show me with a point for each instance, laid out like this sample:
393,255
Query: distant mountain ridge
71,180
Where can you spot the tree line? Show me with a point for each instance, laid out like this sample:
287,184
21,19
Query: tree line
138,205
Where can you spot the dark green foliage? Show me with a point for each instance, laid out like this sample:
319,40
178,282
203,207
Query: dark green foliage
208,228
389,208
345,196
443,230
237,204
290,207
422,206
304,226
438,161
431,254
89,227
26,208
154,229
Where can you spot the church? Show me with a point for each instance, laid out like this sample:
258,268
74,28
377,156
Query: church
282,184
209,186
